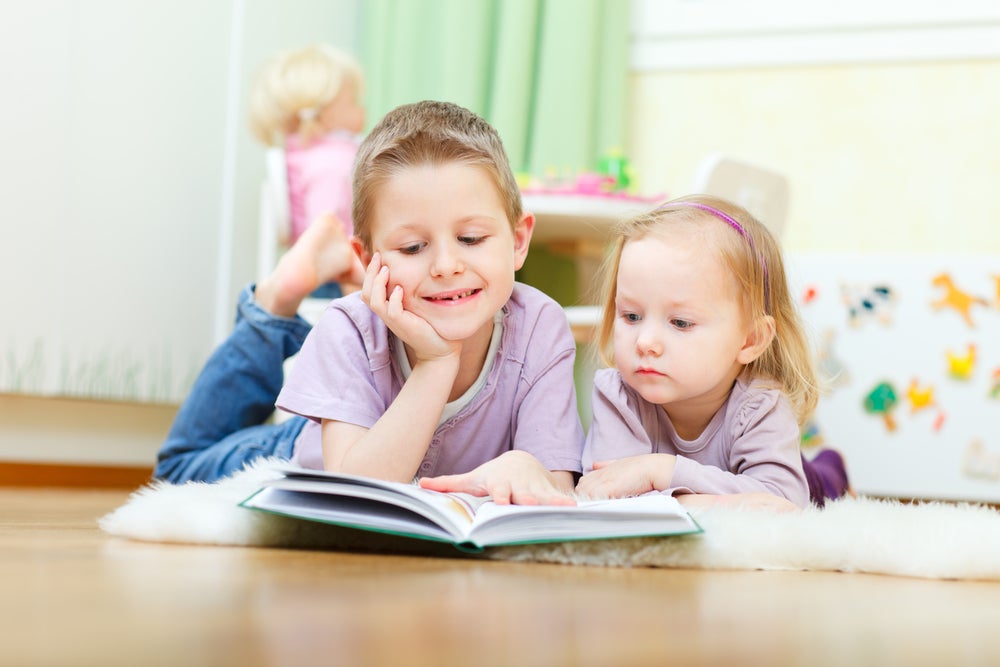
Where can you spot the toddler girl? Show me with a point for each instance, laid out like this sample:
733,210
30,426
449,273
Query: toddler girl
713,372
307,101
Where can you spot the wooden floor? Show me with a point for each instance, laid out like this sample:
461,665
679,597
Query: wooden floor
73,596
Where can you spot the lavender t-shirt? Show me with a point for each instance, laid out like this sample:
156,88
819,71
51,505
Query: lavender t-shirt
750,445
346,371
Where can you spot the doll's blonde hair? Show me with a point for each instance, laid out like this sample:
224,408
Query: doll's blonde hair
432,133
293,87
754,258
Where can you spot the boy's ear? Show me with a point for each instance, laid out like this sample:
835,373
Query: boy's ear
359,250
758,339
522,239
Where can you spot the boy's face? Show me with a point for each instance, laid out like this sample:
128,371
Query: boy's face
443,232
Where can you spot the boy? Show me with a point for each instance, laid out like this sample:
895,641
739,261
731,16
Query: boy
442,364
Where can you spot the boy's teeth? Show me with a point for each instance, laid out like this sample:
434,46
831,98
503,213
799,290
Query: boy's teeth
455,297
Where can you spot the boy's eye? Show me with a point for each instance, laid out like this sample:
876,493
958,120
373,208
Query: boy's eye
471,240
412,249
681,324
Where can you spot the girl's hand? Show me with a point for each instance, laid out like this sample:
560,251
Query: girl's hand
631,476
415,331
514,477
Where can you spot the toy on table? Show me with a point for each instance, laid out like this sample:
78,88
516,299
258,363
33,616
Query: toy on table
616,166
613,179
882,401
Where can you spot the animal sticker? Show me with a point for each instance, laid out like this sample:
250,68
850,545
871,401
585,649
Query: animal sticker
961,365
868,302
956,298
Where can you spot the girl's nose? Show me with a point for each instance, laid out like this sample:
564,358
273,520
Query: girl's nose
647,341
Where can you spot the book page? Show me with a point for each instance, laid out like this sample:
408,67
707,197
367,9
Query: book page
646,515
454,512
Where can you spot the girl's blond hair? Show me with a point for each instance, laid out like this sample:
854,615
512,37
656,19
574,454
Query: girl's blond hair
293,87
754,257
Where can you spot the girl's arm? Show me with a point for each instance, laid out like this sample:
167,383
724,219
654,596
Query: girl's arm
765,457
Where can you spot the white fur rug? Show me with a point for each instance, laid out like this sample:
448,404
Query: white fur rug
931,540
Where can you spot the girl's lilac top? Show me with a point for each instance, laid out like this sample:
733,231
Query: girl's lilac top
346,371
752,444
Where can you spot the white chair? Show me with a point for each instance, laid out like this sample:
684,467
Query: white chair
275,216
275,225
761,191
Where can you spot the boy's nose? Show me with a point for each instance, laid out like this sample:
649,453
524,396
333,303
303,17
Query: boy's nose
446,261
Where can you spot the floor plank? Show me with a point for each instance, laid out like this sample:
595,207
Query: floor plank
74,596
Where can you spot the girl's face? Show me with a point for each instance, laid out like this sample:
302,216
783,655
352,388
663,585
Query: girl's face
679,328
443,232
345,111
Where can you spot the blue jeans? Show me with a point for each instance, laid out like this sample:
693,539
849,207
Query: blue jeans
222,424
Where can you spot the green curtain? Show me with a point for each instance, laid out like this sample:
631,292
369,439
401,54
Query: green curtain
548,74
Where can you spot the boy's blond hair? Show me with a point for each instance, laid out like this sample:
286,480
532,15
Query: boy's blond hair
755,261
293,87
428,133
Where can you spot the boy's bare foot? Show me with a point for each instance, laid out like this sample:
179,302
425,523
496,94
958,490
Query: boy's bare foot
322,254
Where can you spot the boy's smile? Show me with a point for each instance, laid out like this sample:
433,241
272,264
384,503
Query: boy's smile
443,233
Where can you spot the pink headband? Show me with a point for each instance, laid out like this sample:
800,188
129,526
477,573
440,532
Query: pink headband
732,222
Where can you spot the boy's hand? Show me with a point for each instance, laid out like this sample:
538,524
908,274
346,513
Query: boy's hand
630,476
411,329
514,477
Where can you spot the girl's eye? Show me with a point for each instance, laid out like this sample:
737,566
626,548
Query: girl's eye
471,240
631,317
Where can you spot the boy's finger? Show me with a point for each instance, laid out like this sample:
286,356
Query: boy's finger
395,305
378,295
370,272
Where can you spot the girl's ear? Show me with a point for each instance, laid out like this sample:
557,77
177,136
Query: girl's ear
522,239
758,339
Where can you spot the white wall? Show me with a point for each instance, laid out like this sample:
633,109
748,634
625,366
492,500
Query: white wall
128,174
897,150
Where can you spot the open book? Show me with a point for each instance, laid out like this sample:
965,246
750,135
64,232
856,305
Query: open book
468,522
